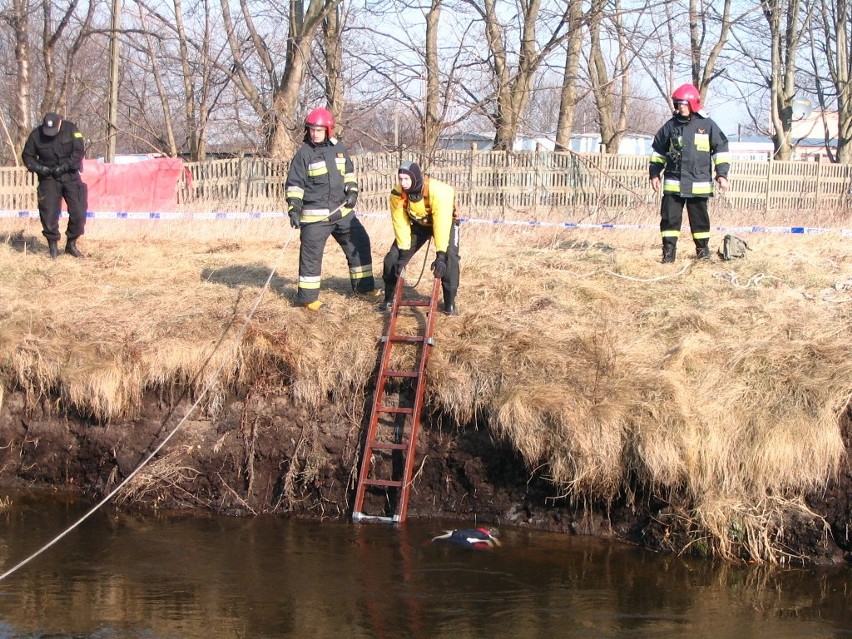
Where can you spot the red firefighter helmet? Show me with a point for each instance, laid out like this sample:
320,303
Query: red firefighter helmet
689,94
321,117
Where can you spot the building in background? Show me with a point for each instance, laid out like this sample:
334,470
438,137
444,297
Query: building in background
631,144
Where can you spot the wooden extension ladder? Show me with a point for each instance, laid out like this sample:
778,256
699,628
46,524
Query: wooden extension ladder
389,448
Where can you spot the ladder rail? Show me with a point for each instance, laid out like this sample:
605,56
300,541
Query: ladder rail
378,394
420,391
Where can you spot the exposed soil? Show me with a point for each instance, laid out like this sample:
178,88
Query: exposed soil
263,454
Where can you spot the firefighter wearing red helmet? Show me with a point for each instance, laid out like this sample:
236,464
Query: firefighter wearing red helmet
321,193
686,151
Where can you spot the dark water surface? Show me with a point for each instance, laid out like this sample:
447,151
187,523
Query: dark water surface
177,576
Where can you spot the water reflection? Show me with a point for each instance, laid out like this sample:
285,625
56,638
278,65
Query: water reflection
165,576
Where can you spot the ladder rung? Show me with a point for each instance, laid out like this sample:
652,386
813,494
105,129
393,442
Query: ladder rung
395,409
389,483
388,446
401,374
407,338
359,516
416,303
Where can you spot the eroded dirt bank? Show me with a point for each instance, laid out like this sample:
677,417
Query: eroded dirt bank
262,454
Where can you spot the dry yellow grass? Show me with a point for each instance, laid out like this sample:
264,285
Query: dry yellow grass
721,381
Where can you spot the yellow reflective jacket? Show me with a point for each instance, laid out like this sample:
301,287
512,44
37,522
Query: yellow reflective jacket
436,209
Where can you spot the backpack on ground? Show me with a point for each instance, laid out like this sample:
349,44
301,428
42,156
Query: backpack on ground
733,247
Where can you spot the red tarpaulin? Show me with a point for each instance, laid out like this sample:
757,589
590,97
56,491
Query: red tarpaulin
150,185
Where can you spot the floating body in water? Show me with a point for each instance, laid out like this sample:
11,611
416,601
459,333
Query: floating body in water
481,538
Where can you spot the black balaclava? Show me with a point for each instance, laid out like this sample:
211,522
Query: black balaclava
412,170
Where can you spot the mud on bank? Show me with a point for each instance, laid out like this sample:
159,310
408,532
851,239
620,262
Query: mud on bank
262,454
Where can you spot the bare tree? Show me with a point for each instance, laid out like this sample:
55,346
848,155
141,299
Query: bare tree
332,29
831,56
158,79
62,37
423,72
570,95
705,70
431,128
786,22
18,19
513,81
612,94
278,105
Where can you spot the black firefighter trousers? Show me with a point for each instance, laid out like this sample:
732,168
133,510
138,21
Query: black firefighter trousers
419,236
50,192
352,237
671,218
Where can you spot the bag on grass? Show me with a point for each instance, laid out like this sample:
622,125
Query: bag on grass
733,247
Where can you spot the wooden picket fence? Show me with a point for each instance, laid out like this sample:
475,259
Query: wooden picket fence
501,184
495,184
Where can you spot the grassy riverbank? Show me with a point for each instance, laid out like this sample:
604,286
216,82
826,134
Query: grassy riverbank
720,382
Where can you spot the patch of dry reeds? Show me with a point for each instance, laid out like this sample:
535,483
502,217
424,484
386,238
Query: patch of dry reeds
720,382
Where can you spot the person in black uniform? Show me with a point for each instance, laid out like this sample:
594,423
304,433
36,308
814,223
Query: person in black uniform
686,151
321,193
54,151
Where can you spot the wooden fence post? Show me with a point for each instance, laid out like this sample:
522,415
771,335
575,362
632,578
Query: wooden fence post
818,176
537,184
471,185
242,177
770,163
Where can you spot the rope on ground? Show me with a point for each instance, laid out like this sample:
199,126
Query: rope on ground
683,269
754,280
234,345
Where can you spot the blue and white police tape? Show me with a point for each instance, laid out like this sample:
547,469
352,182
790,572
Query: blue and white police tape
257,215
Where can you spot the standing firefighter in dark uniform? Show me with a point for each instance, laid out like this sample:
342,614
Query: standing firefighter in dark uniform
687,148
321,196
54,151
423,208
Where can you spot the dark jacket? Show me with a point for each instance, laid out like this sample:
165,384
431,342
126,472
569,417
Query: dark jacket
321,176
688,152
63,152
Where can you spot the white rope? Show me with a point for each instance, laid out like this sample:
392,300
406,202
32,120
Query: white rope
207,387
682,270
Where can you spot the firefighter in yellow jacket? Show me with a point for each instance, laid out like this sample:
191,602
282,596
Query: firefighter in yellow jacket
423,208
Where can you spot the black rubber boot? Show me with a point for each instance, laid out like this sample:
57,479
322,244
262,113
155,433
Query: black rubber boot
702,250
669,250
450,305
71,248
53,249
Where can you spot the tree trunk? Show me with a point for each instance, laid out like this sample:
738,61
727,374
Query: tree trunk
281,121
782,90
842,81
334,96
568,95
21,124
431,118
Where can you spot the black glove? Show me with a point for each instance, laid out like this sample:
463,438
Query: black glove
42,171
439,266
401,262
58,171
351,198
294,210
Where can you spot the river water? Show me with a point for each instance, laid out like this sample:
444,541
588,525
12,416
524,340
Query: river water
177,576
